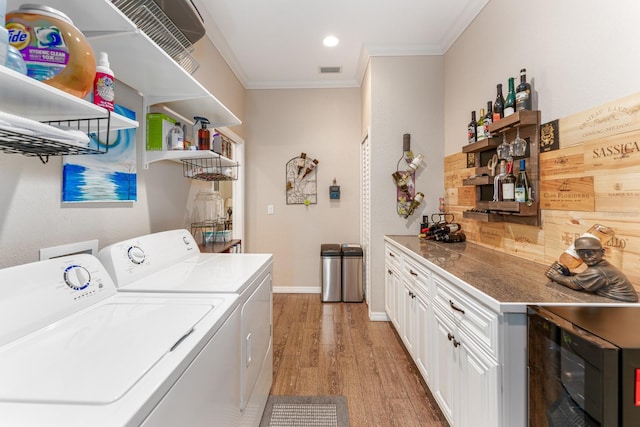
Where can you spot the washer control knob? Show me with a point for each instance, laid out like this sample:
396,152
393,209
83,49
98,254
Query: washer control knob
136,255
77,277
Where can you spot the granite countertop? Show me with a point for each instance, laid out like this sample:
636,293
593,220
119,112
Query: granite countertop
507,280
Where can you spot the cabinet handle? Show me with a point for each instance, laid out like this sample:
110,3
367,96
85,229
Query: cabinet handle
389,271
391,255
456,343
455,307
411,294
413,273
450,336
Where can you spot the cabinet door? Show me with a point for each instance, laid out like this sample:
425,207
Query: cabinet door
392,287
445,367
423,336
479,388
407,327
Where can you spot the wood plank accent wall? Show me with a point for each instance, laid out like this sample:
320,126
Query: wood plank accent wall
593,177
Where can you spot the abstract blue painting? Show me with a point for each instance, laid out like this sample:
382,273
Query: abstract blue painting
108,177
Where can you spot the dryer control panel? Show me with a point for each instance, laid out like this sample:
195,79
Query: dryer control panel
42,292
136,258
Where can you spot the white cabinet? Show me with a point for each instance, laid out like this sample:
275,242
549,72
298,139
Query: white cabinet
418,314
466,380
392,285
445,361
452,337
409,307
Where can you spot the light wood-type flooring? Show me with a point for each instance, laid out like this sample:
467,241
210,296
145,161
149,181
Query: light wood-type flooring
333,349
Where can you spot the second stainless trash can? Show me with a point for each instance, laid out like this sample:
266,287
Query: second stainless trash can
352,273
331,272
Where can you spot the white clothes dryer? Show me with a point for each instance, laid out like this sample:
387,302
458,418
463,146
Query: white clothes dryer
75,352
171,262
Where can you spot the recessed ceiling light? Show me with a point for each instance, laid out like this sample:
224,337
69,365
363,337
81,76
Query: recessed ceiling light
330,41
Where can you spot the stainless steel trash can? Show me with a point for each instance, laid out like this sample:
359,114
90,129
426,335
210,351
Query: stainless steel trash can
352,273
331,272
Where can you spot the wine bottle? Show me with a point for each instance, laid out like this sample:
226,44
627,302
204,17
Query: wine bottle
498,105
523,92
570,258
522,184
414,204
510,101
488,119
509,185
310,168
300,162
480,127
472,129
497,182
454,238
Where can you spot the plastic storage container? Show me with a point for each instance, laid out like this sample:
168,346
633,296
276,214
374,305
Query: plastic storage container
352,255
54,50
331,272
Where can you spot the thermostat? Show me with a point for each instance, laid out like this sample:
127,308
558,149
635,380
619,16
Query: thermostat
334,192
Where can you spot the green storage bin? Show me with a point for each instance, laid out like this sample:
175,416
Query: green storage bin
158,127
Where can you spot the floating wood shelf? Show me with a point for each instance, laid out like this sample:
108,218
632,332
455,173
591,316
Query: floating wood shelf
528,124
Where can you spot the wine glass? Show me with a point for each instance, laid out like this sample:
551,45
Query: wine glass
503,149
519,145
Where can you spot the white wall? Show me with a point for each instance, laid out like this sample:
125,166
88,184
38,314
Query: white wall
406,96
578,54
280,124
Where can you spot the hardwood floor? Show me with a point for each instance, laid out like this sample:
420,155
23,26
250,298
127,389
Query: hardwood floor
333,349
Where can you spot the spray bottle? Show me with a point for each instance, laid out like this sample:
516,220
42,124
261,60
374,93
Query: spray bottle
104,83
204,135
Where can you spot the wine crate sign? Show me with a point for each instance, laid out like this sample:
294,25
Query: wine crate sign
618,192
524,241
564,163
549,137
569,194
609,155
613,118
455,162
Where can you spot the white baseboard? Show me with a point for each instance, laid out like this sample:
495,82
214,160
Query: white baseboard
379,317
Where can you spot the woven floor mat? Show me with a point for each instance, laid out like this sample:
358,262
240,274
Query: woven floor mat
305,411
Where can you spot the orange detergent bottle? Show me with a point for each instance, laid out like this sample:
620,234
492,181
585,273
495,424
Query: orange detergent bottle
54,50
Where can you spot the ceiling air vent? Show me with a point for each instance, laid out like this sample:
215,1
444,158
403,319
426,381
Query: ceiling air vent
330,70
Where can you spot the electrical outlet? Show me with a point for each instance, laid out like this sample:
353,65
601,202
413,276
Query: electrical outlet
269,209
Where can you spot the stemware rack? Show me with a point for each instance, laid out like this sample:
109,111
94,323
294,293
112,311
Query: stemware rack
485,209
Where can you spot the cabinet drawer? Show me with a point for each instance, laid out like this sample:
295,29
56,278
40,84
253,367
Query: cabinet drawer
418,275
476,320
392,256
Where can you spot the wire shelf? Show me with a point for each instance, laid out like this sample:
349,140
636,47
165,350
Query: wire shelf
13,142
209,169
149,18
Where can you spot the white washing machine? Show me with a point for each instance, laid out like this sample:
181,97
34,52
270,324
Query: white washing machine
75,352
171,262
